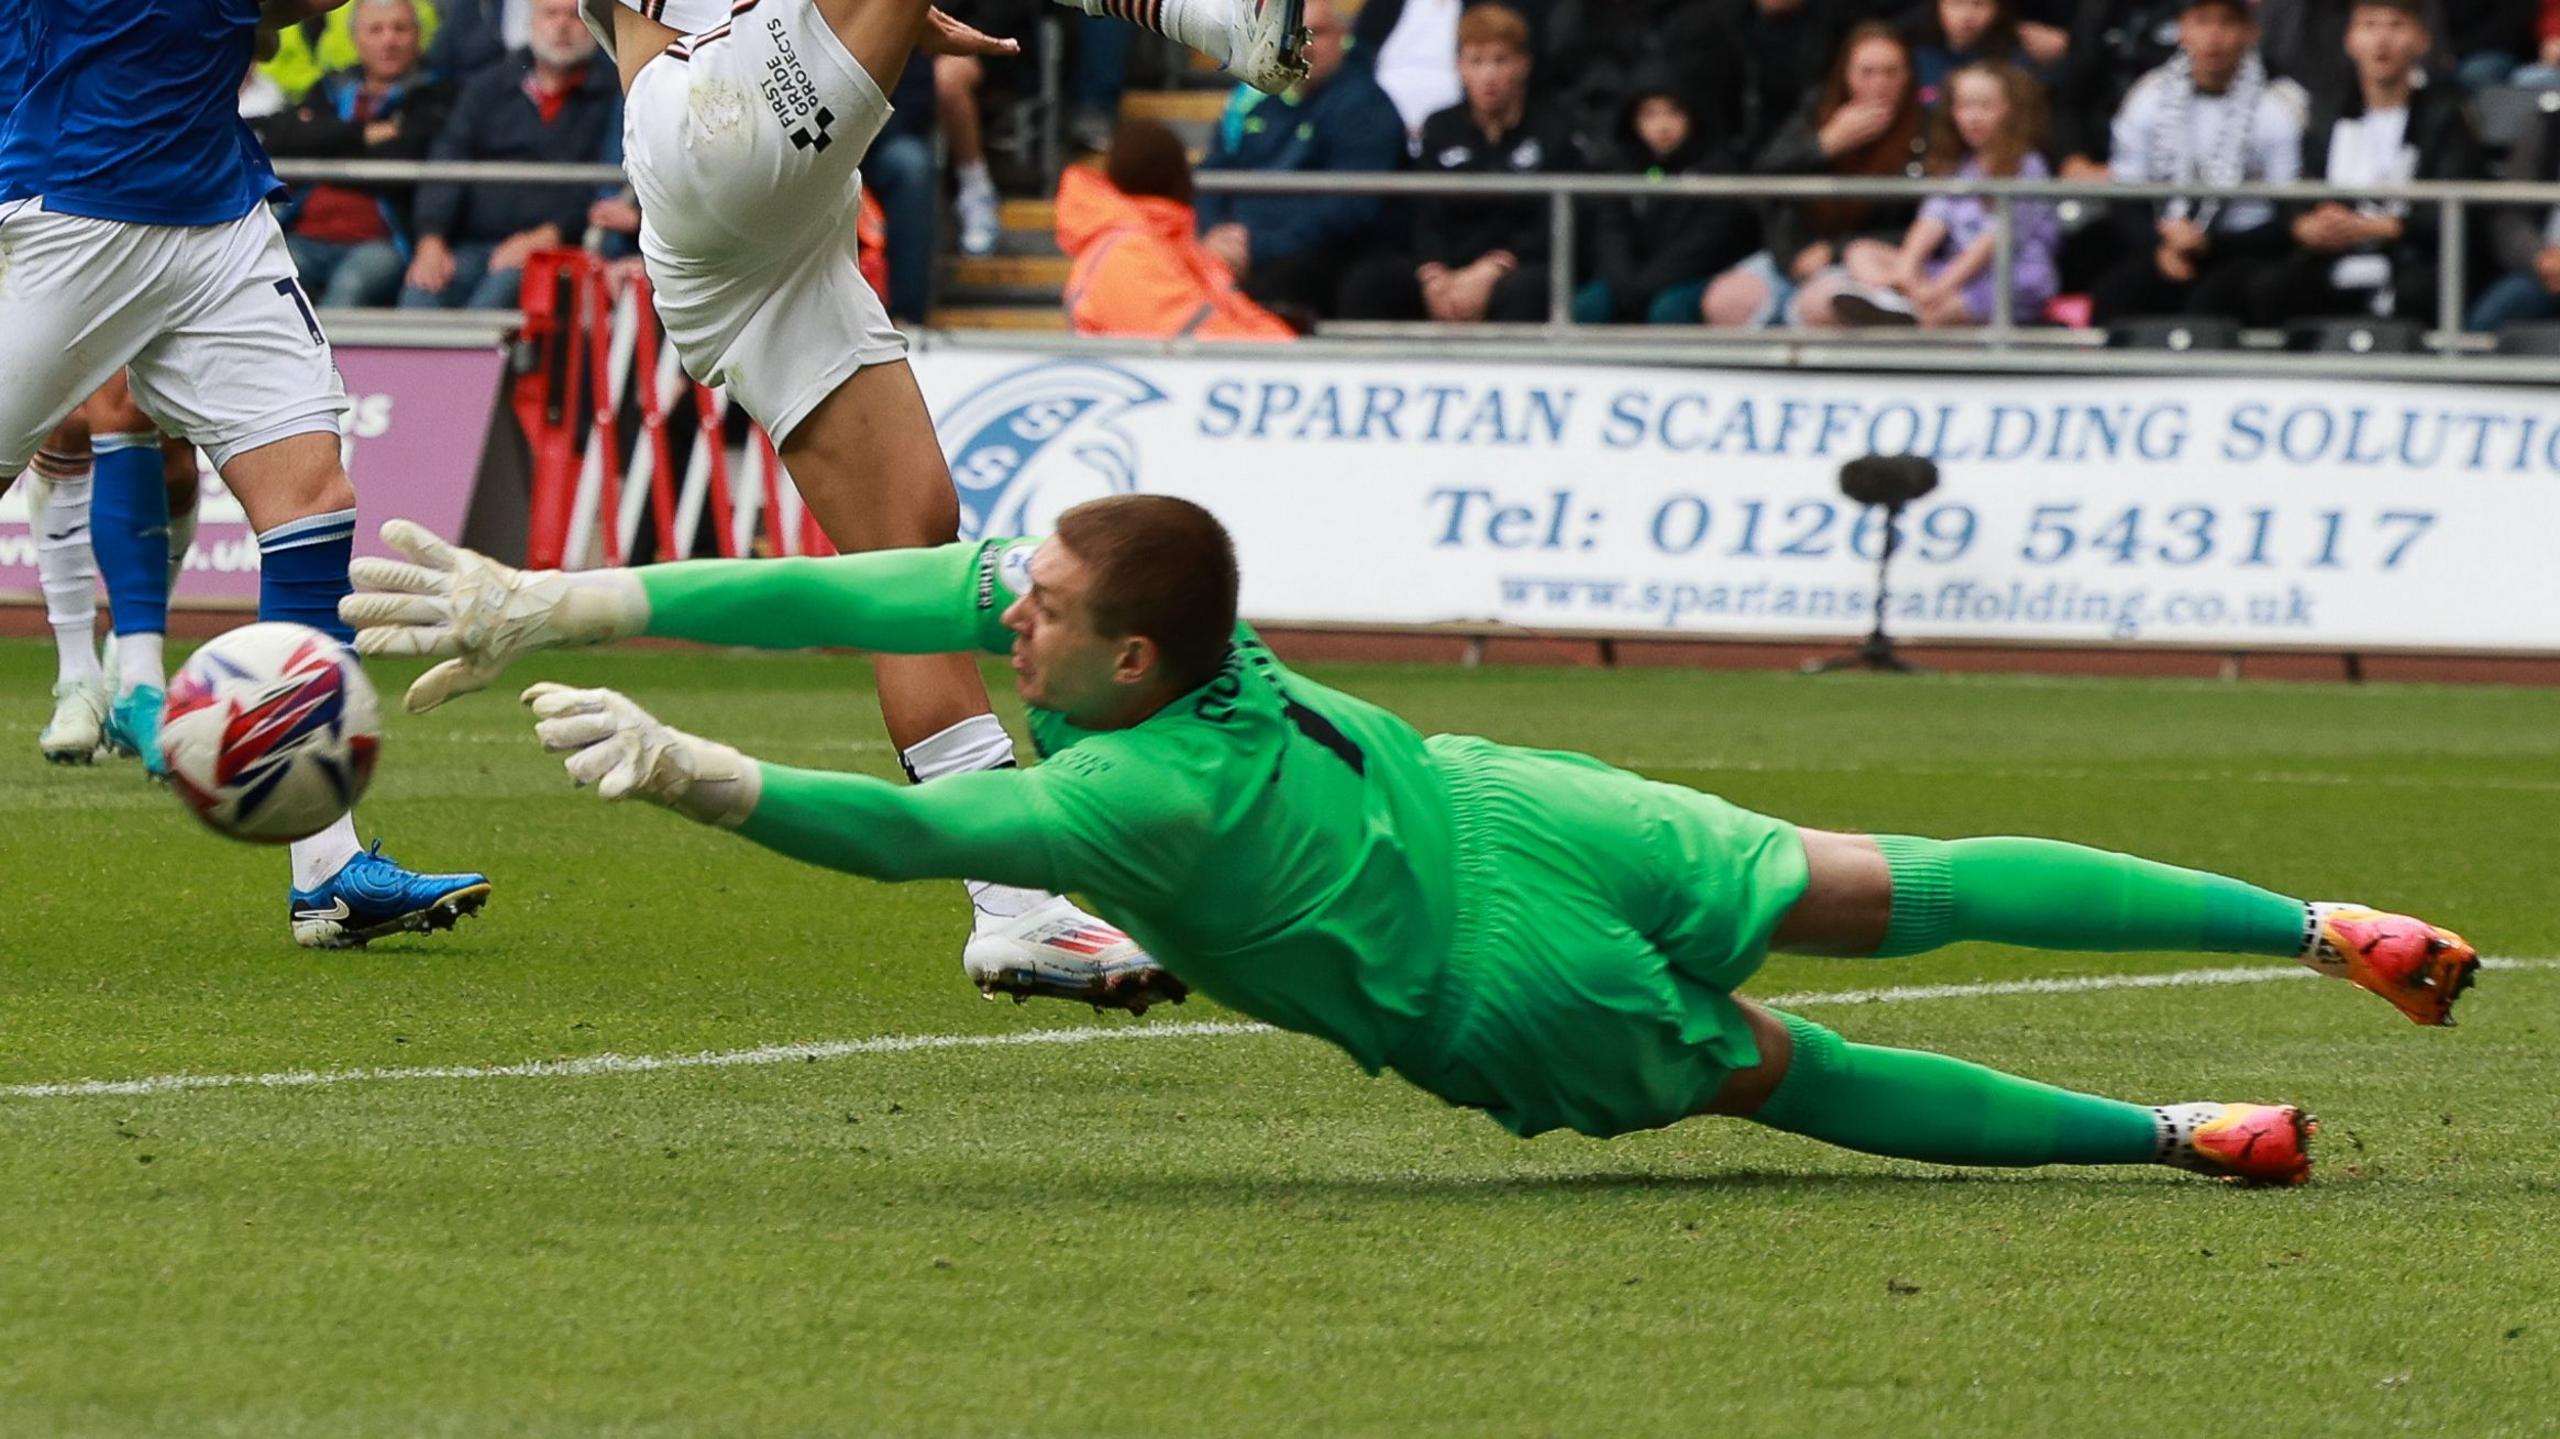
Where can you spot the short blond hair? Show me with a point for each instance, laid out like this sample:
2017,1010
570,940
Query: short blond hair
1493,24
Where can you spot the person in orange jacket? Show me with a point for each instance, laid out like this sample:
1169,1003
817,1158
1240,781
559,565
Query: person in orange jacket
1138,269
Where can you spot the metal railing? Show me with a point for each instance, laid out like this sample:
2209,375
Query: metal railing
1562,194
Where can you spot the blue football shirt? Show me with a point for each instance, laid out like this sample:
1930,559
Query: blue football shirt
131,111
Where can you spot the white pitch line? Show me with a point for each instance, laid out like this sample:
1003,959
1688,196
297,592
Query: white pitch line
913,1043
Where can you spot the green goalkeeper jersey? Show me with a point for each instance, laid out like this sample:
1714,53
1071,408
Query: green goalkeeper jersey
1477,917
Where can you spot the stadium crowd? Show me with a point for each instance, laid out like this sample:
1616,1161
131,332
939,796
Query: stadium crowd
2200,92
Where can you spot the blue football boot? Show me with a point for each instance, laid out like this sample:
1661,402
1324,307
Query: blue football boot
133,728
372,896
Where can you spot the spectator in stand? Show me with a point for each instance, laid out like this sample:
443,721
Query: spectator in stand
1866,122
1477,259
1411,49
554,101
1947,35
1292,251
1767,57
1139,271
2372,258
1599,49
1992,128
2486,40
326,45
900,174
476,34
957,81
2210,118
2544,72
1101,78
2526,239
351,242
1652,256
2113,44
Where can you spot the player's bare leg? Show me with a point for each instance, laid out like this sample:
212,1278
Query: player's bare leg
867,461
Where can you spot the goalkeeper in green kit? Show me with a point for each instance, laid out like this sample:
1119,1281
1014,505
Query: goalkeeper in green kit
1538,935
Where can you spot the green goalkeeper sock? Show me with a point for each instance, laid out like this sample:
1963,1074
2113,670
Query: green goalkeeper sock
1906,1104
2045,894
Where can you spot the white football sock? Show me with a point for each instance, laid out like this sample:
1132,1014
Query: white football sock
58,506
324,854
976,743
1200,24
975,177
2176,1125
139,662
2318,954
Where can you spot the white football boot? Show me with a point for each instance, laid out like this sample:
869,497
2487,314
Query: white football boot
1267,44
1058,951
78,726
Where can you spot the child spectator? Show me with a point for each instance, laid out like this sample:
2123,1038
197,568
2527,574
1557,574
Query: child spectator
1652,256
1947,35
1866,122
1138,271
1944,274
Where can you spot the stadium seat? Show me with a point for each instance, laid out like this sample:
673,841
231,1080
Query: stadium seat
2358,337
2539,337
2175,332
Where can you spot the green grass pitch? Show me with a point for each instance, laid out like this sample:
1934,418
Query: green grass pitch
1239,1234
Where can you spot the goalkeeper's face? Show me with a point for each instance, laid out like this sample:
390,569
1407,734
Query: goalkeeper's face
1062,661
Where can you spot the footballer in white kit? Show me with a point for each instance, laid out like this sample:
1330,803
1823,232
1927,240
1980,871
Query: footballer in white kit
744,126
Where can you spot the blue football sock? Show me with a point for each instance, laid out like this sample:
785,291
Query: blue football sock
129,530
303,571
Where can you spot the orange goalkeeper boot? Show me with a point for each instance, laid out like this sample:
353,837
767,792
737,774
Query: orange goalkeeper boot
2246,1143
2420,968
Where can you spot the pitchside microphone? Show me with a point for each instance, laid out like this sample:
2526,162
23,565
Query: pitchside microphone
1889,483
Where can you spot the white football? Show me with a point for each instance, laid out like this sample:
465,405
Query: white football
270,732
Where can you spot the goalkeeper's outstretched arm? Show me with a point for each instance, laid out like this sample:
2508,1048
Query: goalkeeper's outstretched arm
478,615
1070,824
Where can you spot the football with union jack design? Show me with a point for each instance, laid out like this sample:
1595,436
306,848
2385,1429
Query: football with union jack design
270,732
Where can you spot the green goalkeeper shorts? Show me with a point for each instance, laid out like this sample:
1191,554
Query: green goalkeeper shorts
1604,921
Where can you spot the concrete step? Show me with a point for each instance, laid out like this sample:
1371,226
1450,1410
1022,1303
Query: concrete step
1023,318
1041,272
1041,215
1175,107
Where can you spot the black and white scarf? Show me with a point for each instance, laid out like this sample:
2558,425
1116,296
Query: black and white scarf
2172,158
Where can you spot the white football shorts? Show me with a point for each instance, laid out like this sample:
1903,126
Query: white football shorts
222,343
744,145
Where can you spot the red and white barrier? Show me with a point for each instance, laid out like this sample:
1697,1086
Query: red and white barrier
593,350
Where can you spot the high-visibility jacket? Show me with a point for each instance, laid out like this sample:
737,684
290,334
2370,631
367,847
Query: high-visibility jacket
1139,271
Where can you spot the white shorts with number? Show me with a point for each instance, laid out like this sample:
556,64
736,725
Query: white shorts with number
221,342
744,145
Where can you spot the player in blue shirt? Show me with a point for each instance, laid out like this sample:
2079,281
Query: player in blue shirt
132,208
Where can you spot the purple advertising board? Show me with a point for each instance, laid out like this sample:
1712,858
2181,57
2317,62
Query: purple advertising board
413,436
